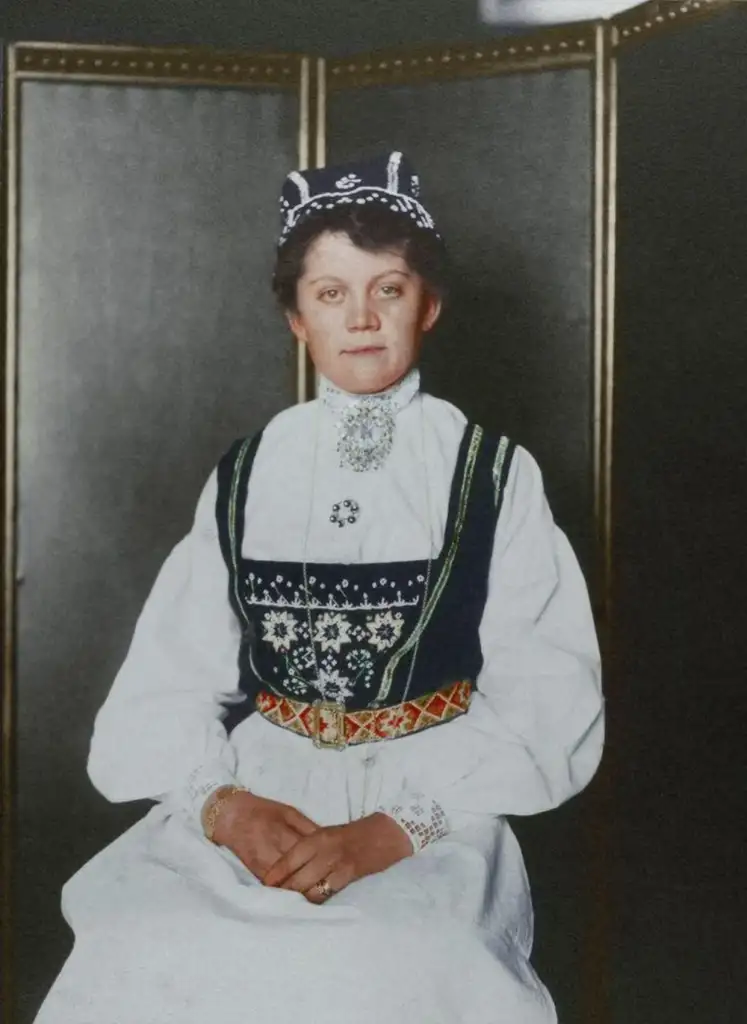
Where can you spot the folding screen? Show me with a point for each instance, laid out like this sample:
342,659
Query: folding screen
141,190
511,140
676,671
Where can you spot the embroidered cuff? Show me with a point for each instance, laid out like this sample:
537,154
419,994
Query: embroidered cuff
201,782
424,820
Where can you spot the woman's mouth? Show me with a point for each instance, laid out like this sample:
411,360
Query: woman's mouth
364,350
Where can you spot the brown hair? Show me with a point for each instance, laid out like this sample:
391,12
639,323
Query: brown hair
373,228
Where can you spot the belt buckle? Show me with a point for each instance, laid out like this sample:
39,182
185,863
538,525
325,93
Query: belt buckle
329,718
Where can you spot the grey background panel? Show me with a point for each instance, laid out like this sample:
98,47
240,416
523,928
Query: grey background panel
149,340
506,167
678,690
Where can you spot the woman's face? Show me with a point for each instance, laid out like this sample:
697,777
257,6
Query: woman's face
361,314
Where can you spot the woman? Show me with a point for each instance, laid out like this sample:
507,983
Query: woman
372,646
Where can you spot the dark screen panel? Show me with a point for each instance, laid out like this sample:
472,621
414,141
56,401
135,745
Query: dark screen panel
507,165
679,515
507,170
148,341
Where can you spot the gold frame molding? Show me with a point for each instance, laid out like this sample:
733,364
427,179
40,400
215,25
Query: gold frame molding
144,65
657,17
312,150
8,219
605,187
131,66
562,47
596,988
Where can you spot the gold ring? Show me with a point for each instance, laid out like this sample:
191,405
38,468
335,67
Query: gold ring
324,888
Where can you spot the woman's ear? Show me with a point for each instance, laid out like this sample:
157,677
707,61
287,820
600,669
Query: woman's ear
296,325
432,306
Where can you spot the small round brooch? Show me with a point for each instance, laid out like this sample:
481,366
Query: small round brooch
345,512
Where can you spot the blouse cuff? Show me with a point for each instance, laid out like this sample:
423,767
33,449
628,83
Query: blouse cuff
201,782
423,819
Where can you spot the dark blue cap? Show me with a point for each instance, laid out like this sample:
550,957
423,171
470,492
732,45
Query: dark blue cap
390,180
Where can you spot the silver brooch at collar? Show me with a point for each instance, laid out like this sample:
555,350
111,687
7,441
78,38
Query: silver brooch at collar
366,434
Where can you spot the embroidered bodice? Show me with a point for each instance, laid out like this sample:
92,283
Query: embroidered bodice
365,635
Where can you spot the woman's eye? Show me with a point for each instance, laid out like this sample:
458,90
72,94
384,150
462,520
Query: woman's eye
391,290
330,294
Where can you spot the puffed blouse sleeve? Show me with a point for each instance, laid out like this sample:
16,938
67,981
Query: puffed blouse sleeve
159,734
534,733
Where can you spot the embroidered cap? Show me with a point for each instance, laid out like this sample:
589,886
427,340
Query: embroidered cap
389,180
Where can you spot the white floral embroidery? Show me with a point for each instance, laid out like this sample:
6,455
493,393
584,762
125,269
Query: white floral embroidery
385,629
328,638
360,662
295,686
348,181
280,630
332,631
302,658
281,592
333,686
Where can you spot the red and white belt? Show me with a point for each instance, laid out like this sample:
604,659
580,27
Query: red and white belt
328,724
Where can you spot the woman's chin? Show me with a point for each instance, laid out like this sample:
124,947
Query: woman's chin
366,377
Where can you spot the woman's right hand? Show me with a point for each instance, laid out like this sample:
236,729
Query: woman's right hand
257,830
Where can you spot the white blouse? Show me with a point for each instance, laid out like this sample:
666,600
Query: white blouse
534,732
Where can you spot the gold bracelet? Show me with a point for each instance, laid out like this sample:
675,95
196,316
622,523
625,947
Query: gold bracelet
210,820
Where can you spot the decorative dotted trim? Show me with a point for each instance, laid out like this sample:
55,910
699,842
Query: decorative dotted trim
657,17
33,61
574,45
567,44
397,201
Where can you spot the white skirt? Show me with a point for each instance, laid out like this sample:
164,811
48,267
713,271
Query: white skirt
170,928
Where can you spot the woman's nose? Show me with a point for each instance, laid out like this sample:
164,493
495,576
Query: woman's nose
362,316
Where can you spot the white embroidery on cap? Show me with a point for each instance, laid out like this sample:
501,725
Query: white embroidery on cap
348,181
392,172
302,184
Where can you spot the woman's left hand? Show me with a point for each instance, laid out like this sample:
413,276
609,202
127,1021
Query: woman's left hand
339,855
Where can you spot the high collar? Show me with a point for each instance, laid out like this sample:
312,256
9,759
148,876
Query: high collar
394,398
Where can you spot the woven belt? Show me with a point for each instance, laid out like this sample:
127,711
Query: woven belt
328,724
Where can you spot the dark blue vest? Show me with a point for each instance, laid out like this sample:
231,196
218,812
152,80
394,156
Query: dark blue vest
360,634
